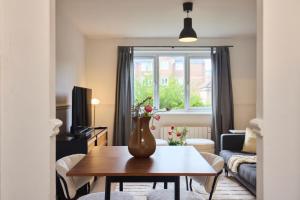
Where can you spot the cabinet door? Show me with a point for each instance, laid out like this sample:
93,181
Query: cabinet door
101,139
91,144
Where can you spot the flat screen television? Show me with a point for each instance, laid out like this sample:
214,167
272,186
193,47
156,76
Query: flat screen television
81,109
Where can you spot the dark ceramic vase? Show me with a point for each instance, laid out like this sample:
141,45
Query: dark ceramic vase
141,141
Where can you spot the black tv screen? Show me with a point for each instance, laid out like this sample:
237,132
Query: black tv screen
81,108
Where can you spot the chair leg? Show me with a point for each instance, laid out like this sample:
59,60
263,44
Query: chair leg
214,185
187,183
191,184
226,172
165,185
154,185
121,187
64,184
212,191
88,187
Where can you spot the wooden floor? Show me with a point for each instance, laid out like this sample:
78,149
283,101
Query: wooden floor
227,189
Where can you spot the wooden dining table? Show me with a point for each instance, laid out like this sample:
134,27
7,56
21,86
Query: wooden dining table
167,164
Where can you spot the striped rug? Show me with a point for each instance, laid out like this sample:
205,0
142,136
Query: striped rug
227,189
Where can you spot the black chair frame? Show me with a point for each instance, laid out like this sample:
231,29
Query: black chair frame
213,186
64,187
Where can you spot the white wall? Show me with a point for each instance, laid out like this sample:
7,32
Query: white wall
70,64
101,61
27,80
281,97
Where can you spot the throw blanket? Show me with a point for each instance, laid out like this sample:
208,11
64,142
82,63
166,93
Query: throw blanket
235,161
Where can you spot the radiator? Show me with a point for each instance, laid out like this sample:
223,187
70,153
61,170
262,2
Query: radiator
203,132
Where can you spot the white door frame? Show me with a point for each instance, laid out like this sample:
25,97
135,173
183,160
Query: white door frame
259,97
53,124
1,63
27,52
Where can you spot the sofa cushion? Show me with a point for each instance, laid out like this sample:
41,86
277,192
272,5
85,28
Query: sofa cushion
249,142
226,154
248,173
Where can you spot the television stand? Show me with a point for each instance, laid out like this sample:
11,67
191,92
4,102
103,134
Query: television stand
80,143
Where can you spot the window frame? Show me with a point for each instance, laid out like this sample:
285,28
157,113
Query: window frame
187,55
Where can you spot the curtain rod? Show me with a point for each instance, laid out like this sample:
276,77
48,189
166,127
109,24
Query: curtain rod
180,46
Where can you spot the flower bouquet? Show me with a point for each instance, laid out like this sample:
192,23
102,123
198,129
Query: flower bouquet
144,109
177,135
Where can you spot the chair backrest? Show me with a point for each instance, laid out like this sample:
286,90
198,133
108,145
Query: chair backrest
217,162
63,165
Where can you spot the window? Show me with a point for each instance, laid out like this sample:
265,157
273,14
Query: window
171,91
175,80
143,78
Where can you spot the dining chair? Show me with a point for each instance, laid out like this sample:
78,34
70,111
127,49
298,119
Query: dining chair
71,185
209,182
101,195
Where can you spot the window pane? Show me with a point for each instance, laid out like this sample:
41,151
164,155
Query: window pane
171,82
143,78
200,82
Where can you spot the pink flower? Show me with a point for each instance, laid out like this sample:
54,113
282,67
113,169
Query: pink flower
148,108
170,132
157,117
178,134
152,127
172,127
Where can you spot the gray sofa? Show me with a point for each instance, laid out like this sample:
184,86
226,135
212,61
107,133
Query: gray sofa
232,144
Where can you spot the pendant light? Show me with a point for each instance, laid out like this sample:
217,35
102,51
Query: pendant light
188,34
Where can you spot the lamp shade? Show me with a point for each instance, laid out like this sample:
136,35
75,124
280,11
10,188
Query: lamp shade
188,34
95,101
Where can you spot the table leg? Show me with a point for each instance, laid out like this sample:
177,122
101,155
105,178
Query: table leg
107,188
165,185
177,188
121,186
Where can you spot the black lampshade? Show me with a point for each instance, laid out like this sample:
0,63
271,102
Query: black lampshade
188,34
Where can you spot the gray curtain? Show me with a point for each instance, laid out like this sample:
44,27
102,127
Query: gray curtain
124,94
222,99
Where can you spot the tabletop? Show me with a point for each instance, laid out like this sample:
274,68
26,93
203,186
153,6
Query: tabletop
166,161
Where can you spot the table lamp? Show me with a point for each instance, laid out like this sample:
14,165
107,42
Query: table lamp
94,103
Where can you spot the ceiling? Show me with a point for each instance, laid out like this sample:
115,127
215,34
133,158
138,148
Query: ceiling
160,18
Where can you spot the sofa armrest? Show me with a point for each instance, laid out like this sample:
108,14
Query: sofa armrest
233,142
